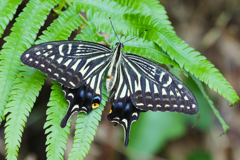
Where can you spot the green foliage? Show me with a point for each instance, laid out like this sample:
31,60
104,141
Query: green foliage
199,155
23,96
145,48
86,125
24,31
19,105
57,136
215,111
20,85
156,128
185,56
149,8
7,10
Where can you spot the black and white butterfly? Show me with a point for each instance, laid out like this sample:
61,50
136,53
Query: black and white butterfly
136,84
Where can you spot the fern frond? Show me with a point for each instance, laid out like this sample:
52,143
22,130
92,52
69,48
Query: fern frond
86,125
21,102
102,6
7,10
57,136
145,48
23,33
89,33
185,56
149,7
60,29
196,64
215,111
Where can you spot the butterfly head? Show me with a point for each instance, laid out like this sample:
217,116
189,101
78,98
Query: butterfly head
119,44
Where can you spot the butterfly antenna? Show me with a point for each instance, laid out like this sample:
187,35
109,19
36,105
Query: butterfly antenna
135,36
114,29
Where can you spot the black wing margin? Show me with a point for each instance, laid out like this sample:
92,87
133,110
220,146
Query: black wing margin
70,63
153,88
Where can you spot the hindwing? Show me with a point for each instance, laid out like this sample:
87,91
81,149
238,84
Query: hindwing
86,97
153,88
123,111
70,63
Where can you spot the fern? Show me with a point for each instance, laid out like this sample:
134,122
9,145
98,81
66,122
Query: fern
20,105
57,136
145,48
215,111
7,10
23,96
149,7
179,51
129,18
60,29
86,125
103,6
23,33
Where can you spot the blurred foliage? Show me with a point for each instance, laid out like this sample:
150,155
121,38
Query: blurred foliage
199,155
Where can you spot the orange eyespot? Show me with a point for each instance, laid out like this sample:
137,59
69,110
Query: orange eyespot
110,77
94,105
110,111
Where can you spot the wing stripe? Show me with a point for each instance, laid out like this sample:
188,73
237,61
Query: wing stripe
120,82
98,89
159,89
68,62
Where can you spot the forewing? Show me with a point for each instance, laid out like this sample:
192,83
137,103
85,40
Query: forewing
123,111
153,88
86,97
70,63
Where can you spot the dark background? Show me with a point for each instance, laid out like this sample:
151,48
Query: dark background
212,28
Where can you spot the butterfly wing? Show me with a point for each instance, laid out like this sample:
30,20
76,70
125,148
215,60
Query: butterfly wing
123,111
86,97
70,63
153,88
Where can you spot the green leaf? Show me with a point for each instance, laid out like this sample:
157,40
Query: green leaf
102,6
215,111
24,31
20,104
150,133
60,29
23,93
86,125
7,10
56,136
89,33
145,48
179,51
149,7
199,154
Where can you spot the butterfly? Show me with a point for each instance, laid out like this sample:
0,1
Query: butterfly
135,84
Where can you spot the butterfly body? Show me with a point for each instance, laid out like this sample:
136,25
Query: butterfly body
114,67
136,84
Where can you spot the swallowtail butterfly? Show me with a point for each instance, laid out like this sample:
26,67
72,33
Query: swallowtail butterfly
136,84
